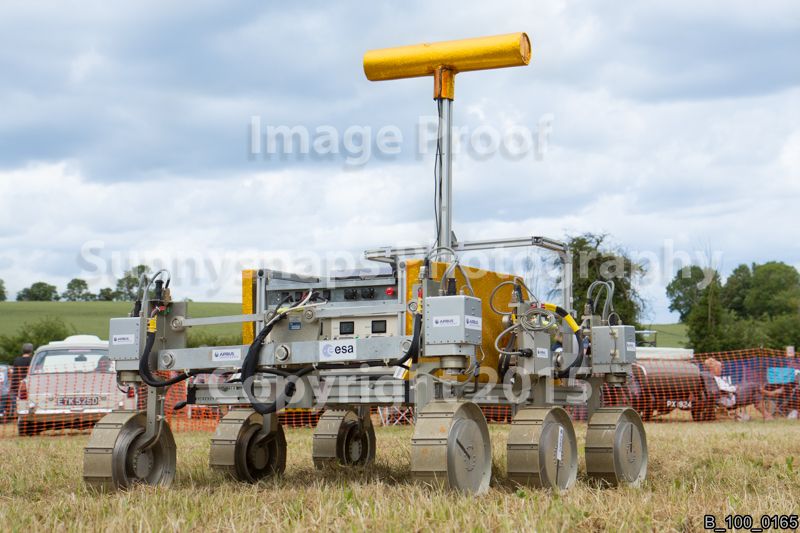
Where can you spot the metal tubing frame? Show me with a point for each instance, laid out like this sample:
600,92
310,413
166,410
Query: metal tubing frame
182,322
370,349
391,254
445,198
374,308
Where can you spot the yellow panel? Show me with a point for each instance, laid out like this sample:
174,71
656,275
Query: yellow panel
483,283
498,51
248,304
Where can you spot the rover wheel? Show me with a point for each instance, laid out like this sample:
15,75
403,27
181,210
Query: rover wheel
542,448
241,449
616,446
451,447
114,458
340,436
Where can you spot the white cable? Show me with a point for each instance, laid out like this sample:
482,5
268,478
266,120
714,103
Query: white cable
503,334
516,280
451,266
527,324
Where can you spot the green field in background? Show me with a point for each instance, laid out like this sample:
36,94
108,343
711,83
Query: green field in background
670,335
91,318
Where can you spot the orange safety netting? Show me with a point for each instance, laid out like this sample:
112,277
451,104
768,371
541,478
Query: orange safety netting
744,384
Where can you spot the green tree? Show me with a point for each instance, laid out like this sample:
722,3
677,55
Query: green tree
77,291
107,294
736,288
684,290
44,330
707,320
3,295
757,307
774,291
38,292
738,333
784,331
129,282
594,259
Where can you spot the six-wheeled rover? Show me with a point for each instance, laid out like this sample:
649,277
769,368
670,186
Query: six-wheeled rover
425,331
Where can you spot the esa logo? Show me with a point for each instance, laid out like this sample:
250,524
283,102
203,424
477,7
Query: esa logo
331,350
341,350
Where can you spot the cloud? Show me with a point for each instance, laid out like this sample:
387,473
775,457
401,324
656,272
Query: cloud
84,65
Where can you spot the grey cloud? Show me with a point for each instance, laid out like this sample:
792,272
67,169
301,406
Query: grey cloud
174,88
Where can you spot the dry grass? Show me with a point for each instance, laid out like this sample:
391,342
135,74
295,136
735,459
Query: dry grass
695,469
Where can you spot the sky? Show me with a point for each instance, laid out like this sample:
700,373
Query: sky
137,132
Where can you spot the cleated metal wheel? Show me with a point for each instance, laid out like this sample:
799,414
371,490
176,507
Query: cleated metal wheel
341,437
451,447
616,446
115,460
241,449
542,448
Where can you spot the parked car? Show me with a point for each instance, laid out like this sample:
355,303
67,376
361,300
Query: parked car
70,384
660,387
6,395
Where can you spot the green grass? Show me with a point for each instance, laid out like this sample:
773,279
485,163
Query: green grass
695,469
670,335
91,318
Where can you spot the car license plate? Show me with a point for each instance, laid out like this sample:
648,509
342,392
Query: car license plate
77,401
680,404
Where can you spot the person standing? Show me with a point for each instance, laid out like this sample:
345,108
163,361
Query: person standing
22,364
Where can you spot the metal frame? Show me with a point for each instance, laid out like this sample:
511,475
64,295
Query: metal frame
369,349
445,200
390,254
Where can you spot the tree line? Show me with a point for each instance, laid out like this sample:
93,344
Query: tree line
77,290
757,305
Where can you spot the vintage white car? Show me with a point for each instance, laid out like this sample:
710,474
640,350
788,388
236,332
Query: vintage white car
70,384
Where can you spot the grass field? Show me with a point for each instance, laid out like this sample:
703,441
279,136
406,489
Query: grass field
695,469
670,335
92,317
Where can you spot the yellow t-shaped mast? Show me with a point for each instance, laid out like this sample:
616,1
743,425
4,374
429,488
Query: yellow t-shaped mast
443,60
